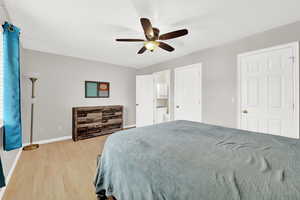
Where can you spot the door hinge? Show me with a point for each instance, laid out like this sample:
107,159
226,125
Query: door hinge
293,106
292,58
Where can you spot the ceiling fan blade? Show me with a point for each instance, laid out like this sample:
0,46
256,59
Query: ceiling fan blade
130,40
174,34
142,50
147,26
165,46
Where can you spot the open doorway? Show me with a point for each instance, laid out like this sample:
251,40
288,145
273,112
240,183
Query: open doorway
162,81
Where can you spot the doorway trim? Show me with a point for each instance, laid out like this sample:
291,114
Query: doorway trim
199,65
169,93
295,47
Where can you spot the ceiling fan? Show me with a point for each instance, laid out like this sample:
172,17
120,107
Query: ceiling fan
152,37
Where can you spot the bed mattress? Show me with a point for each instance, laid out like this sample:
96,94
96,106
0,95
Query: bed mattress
194,161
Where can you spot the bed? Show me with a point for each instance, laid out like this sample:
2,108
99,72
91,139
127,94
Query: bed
183,160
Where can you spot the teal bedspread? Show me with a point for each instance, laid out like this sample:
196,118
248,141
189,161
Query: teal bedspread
184,160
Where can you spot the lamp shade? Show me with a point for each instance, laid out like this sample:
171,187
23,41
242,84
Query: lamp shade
31,75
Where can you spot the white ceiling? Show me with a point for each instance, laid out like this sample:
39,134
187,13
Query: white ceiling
88,28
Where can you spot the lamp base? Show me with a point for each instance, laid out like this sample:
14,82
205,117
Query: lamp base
31,147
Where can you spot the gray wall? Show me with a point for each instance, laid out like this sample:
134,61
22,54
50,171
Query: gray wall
219,70
61,87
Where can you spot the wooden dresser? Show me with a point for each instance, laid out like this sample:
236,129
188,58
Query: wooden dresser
95,121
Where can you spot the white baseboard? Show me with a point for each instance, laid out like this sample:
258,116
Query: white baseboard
64,138
130,126
10,173
50,140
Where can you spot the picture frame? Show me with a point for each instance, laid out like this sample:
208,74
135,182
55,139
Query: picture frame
95,89
103,89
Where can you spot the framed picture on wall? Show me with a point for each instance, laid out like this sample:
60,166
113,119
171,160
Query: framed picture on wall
103,89
94,89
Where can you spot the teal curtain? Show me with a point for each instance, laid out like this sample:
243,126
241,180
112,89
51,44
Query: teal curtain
2,178
11,90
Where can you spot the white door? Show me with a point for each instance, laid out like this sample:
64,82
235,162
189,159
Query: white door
144,100
188,93
269,89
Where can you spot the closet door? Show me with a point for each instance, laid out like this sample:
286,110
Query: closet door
144,100
188,93
269,90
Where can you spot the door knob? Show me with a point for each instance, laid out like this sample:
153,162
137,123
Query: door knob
136,104
245,111
177,106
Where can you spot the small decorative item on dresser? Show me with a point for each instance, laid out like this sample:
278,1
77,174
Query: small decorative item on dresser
96,121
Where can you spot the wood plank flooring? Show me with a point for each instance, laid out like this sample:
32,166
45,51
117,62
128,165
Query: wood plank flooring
56,171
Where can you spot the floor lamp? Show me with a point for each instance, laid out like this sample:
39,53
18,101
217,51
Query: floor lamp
31,146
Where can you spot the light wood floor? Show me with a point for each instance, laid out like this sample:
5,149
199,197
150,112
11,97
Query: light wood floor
57,171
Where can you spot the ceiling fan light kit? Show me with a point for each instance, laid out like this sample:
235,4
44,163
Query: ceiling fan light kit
152,37
151,45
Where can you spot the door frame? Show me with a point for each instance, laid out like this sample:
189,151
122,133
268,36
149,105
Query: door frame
199,65
295,47
155,92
